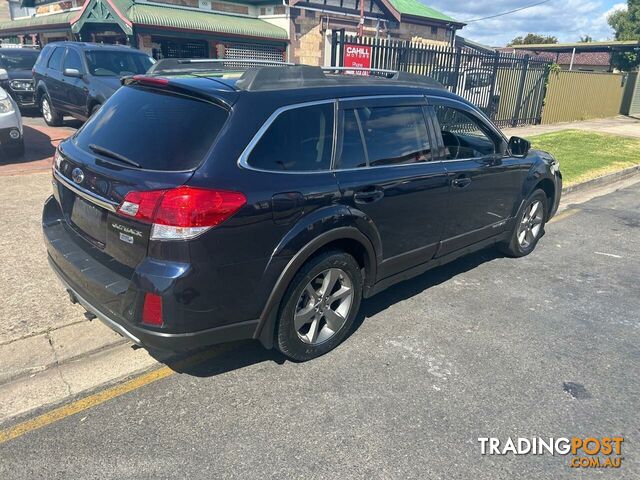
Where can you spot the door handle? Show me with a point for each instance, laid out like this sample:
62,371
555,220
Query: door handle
461,182
368,195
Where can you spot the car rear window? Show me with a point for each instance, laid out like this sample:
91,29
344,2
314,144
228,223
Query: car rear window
158,130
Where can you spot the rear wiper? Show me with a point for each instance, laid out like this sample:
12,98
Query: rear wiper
108,153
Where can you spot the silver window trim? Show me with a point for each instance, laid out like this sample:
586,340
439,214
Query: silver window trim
86,194
244,156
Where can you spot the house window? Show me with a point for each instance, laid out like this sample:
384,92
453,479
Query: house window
434,30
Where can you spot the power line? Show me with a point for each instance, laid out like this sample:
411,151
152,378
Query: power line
506,13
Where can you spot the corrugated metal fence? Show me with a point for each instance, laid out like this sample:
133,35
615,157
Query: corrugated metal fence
575,96
631,100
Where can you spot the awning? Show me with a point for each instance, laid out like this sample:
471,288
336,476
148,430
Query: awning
128,14
173,18
54,21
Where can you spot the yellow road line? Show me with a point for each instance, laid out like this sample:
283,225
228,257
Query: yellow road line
91,401
566,214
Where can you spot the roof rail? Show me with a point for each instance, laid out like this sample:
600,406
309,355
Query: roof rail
186,65
256,61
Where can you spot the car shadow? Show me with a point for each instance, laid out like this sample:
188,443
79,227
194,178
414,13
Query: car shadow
68,122
218,359
38,146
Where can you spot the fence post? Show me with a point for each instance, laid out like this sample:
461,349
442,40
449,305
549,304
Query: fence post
334,45
523,78
494,81
543,94
341,50
458,59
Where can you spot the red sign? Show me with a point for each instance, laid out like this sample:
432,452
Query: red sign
358,56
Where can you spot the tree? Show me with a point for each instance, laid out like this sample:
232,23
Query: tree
586,39
626,24
534,39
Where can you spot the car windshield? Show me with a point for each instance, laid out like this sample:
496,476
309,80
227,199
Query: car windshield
116,63
18,59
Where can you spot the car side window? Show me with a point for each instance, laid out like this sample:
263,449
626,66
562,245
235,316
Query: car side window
72,60
395,135
463,135
299,139
353,153
55,61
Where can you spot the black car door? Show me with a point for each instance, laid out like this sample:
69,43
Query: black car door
485,183
75,88
53,77
385,169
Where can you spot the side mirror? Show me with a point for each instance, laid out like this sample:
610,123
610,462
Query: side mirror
3,74
519,146
72,72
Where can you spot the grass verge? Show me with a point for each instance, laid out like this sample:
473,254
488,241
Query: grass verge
587,155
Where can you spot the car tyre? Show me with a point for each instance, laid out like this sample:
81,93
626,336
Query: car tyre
529,227
50,115
319,307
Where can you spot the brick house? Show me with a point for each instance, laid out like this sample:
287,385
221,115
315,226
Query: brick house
293,30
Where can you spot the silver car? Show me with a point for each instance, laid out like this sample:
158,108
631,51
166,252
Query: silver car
11,139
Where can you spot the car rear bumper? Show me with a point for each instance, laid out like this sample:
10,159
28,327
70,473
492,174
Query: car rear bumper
116,297
158,340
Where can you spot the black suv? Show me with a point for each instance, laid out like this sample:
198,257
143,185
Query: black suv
16,76
191,211
75,78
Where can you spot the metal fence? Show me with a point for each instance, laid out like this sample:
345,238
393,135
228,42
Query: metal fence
509,88
574,95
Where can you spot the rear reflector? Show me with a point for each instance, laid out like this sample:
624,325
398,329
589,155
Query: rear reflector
181,213
152,310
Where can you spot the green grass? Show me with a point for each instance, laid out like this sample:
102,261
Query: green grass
586,155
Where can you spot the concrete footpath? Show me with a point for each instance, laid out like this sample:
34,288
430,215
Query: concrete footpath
47,368
620,125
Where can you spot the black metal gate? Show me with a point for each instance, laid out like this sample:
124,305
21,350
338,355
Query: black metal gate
509,88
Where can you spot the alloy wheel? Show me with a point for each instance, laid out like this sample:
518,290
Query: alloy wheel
531,224
323,306
46,110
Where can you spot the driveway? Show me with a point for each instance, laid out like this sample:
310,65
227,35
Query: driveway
40,143
543,346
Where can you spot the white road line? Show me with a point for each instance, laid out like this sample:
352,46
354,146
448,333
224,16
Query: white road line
608,254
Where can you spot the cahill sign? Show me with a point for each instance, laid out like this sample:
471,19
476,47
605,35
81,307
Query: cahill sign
358,56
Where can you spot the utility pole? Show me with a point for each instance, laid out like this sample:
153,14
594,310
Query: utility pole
361,24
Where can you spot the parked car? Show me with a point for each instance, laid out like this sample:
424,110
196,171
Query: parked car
76,78
474,84
16,76
269,206
11,141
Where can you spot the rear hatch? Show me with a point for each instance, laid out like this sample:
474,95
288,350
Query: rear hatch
143,138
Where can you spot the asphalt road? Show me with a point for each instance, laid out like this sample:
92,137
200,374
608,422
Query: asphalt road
483,347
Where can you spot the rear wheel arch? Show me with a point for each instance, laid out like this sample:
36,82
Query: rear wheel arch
347,239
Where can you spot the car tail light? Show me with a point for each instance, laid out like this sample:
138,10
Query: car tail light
181,213
152,310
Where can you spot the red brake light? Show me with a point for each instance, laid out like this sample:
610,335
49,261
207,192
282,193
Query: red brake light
155,81
182,212
152,309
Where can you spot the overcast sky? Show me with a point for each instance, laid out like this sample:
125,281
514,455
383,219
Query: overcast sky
566,19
